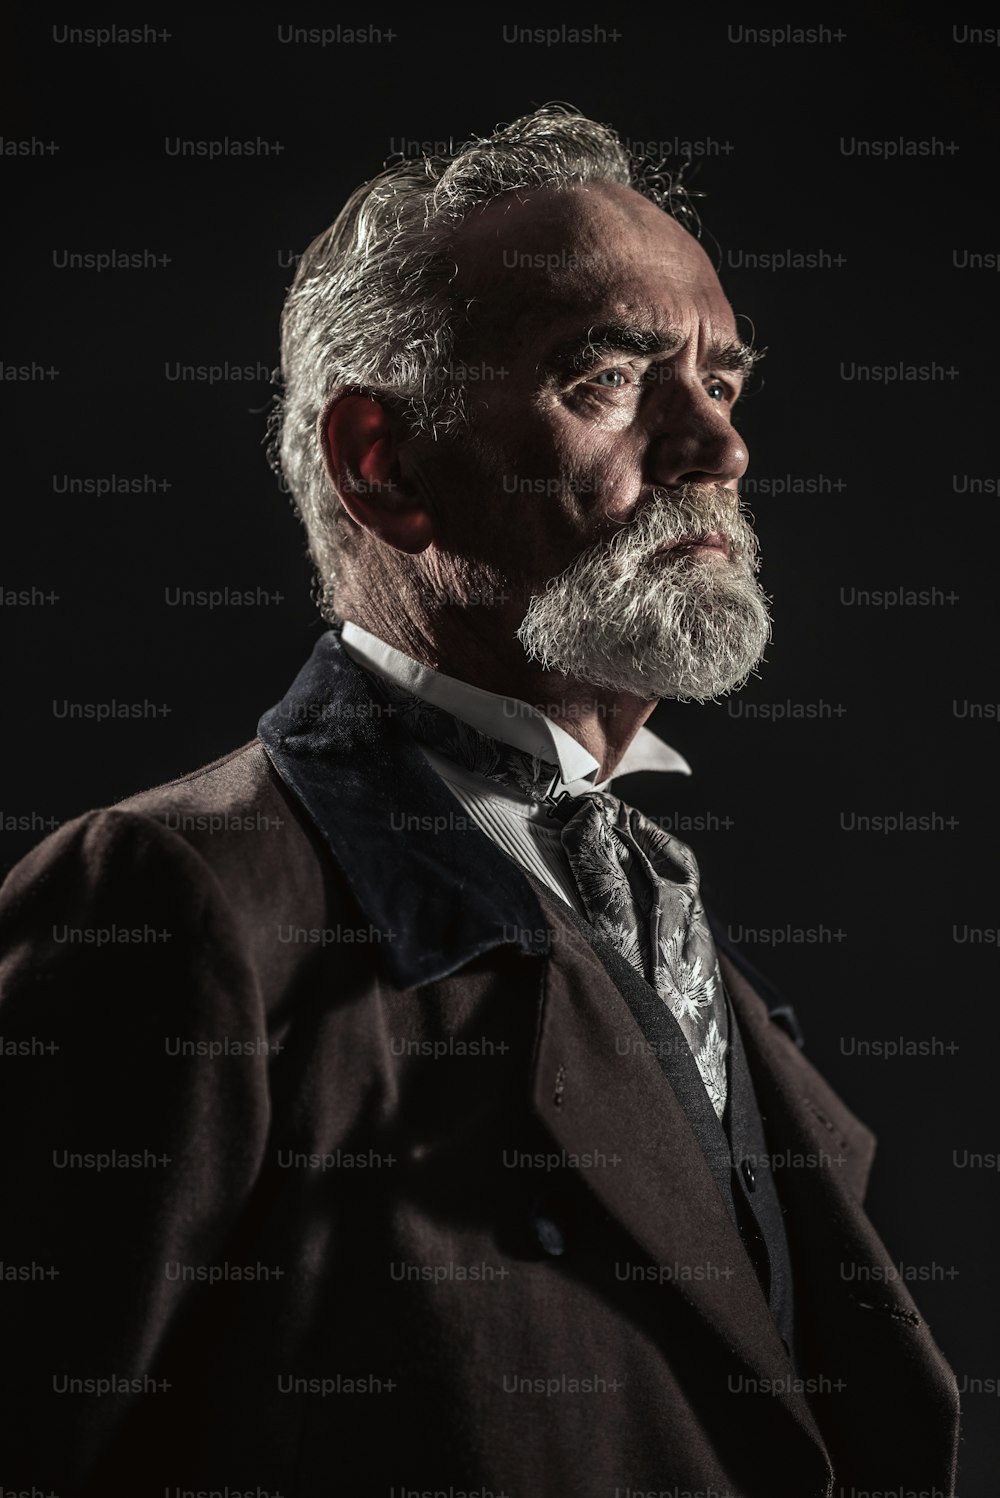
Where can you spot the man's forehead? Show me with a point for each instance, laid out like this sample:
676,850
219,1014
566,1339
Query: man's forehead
593,222
595,250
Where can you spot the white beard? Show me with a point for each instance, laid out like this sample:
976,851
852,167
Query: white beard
691,626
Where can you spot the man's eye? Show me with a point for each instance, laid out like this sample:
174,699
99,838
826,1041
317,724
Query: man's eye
721,387
609,379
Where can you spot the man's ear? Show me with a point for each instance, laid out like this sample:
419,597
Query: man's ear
361,455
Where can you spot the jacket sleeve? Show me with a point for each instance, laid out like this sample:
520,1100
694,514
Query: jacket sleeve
121,1154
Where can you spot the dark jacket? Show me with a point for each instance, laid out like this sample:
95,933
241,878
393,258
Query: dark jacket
335,1162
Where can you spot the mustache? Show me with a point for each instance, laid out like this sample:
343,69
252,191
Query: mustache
683,512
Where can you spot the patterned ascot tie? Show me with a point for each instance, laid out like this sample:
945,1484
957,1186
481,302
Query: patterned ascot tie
637,884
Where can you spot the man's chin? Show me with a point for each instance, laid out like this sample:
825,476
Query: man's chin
693,651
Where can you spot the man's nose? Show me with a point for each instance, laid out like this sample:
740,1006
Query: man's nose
695,442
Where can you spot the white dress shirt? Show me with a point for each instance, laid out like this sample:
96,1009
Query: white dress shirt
519,826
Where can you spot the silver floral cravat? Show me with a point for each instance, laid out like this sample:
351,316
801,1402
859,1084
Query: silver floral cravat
637,884
622,862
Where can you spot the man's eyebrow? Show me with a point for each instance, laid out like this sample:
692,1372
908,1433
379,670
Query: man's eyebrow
735,357
576,355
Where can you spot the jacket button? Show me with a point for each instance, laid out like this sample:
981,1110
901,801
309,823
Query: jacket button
749,1177
549,1233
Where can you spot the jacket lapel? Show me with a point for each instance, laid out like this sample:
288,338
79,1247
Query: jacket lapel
392,825
602,1094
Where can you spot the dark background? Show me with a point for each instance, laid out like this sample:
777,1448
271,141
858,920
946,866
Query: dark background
887,486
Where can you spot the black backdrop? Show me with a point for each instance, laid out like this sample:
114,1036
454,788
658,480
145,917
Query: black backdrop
851,210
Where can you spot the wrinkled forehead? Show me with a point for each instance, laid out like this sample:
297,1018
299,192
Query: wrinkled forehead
527,259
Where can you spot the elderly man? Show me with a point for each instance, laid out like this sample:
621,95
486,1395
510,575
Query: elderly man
396,1124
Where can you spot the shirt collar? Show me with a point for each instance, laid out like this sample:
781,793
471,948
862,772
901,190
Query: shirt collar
507,718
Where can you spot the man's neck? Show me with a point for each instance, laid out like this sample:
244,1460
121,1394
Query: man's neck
474,649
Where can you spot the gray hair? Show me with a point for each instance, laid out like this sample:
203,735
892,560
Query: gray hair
371,306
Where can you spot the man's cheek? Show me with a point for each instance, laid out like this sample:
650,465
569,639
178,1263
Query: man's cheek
612,483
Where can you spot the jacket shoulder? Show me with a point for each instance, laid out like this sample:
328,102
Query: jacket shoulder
228,835
242,784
